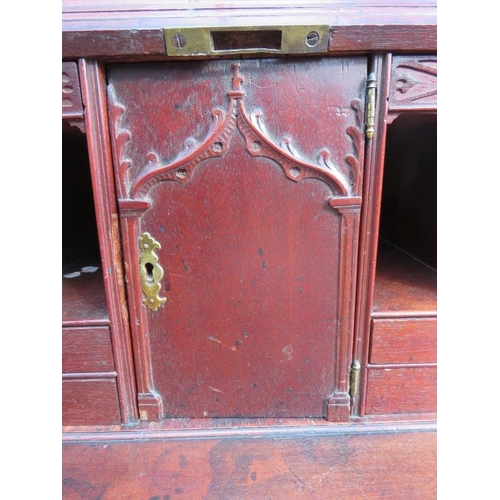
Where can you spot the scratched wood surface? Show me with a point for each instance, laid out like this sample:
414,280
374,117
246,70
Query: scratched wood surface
365,467
121,28
258,267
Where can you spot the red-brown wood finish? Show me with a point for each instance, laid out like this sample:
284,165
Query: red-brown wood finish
214,428
84,300
404,325
403,340
94,98
413,83
401,389
132,28
72,106
257,223
344,467
369,227
395,290
92,401
86,349
268,202
118,42
404,286
381,37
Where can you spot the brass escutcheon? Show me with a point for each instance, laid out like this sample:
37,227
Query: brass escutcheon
150,272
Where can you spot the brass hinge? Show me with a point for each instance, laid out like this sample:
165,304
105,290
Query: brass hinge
354,378
371,93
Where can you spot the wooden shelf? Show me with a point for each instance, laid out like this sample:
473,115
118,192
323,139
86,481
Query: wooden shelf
84,299
403,285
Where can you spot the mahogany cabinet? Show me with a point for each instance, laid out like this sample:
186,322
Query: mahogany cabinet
249,235
240,232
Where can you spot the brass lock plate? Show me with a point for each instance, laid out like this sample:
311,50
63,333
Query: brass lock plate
310,39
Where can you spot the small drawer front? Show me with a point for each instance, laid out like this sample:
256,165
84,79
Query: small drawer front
413,82
403,340
90,402
401,390
86,350
72,106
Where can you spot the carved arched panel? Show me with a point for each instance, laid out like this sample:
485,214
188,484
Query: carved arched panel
248,176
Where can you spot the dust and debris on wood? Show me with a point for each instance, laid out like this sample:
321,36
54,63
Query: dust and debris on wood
85,269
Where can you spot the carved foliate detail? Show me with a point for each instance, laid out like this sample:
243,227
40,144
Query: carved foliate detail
181,168
258,143
353,160
121,137
296,168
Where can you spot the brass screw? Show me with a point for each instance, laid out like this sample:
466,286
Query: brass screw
312,39
179,40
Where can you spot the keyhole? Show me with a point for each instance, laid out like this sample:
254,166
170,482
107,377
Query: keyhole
149,272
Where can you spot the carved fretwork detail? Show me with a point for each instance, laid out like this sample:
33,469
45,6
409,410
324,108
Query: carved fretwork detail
121,137
413,81
258,143
357,139
181,168
72,105
357,106
295,168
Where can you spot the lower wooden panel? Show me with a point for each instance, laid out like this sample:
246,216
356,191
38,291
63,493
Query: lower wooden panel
340,467
90,402
403,340
86,349
401,390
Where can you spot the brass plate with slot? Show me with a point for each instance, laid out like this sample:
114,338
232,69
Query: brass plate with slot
311,39
150,272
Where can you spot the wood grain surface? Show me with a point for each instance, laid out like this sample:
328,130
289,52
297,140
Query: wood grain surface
365,467
90,402
84,300
403,285
401,389
120,28
256,221
86,349
403,340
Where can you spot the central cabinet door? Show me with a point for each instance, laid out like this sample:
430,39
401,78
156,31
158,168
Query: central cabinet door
239,192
